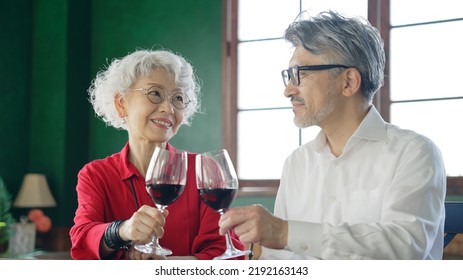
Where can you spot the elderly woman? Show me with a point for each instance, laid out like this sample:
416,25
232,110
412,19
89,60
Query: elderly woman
150,94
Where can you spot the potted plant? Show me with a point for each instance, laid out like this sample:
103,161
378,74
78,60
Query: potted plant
6,219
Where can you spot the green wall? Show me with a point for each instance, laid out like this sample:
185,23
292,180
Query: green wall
50,51
15,103
192,29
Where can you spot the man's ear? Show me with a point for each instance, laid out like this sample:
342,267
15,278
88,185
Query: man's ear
352,82
120,105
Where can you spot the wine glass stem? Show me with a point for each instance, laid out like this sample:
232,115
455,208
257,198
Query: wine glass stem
228,239
154,238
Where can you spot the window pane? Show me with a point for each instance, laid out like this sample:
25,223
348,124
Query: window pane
441,121
351,7
259,19
260,85
265,139
415,11
259,74
425,61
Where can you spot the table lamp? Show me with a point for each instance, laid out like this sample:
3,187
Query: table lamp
34,192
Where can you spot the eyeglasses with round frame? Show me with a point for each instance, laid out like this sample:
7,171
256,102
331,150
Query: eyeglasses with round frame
156,95
292,73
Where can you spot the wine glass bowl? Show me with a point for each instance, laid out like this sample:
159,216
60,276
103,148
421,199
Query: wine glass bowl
217,198
218,186
165,182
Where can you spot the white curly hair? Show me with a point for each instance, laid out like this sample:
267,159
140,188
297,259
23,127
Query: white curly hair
122,73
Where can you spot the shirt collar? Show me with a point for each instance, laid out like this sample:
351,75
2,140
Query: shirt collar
372,128
127,169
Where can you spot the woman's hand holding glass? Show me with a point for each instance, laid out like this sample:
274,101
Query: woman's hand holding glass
140,226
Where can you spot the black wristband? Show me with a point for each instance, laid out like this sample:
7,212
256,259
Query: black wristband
112,238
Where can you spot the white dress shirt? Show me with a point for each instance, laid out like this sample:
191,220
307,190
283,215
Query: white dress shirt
383,198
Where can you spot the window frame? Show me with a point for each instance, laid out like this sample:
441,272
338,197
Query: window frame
378,15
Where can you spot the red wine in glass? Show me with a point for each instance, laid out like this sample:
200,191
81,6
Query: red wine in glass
218,186
165,182
165,194
218,199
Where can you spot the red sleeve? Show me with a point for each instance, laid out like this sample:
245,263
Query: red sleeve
88,227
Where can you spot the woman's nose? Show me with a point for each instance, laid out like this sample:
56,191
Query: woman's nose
166,106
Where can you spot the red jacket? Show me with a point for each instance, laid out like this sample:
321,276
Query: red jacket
104,194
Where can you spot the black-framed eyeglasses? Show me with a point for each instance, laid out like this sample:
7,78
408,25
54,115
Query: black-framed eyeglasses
293,72
156,95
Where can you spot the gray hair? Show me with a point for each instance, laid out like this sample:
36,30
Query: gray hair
122,73
341,40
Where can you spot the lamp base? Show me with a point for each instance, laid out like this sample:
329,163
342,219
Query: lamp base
23,240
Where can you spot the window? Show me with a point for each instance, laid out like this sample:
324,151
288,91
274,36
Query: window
257,118
425,59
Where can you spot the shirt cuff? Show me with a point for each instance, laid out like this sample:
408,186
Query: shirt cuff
305,238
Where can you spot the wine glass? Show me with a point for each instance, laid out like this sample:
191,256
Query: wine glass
165,182
218,186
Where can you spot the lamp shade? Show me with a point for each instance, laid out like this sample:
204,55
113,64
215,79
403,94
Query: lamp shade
34,192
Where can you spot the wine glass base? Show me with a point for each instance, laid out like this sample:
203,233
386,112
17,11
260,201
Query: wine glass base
149,249
229,254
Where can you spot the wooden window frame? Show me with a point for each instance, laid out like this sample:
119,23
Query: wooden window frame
378,15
